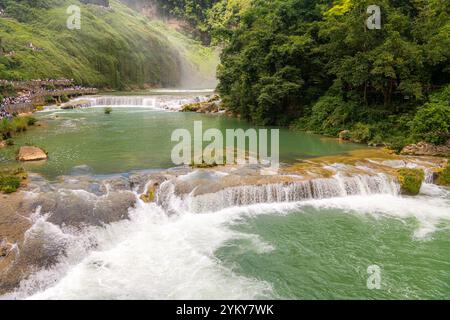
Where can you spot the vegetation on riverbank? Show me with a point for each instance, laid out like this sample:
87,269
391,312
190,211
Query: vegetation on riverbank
314,66
116,47
10,127
11,179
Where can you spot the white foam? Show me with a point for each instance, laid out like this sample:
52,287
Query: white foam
153,256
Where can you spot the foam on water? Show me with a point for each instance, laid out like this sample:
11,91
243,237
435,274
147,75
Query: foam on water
154,255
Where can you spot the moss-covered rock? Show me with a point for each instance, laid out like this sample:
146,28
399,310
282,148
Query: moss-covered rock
150,195
410,180
443,178
11,179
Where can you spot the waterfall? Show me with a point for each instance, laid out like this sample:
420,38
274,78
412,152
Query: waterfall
429,176
122,101
157,102
338,186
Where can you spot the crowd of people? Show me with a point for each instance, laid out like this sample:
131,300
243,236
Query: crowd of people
3,113
28,91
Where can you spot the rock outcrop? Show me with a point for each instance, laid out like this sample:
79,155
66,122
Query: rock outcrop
410,180
31,154
427,149
213,105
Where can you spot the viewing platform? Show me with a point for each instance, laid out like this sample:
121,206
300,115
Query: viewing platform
33,93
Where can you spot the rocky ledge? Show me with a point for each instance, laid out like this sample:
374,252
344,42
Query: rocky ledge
212,105
427,149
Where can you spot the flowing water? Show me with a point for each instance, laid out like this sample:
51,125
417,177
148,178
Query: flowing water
137,135
305,240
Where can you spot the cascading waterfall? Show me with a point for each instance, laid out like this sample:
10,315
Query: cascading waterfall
157,102
338,186
123,100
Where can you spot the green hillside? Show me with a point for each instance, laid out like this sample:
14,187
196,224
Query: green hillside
116,47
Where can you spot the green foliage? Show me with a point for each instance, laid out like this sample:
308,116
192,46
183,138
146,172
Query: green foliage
8,183
16,125
330,115
5,129
444,176
432,123
108,110
410,180
31,121
114,48
315,64
10,178
64,99
362,133
49,99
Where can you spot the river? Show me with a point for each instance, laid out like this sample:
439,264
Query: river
315,243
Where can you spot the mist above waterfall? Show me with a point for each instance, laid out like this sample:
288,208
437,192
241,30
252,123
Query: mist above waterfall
196,63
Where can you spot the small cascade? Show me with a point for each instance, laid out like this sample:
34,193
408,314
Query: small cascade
338,186
122,101
157,102
429,176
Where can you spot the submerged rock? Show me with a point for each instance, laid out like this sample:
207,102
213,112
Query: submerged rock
82,170
27,153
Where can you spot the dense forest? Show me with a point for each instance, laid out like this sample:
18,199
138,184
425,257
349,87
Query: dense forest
210,21
316,66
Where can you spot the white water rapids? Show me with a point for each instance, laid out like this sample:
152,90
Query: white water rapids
154,255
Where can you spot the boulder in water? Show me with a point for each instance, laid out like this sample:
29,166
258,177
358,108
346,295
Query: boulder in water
410,180
443,177
27,153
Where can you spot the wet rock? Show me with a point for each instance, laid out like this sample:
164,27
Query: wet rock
427,149
27,153
139,182
117,184
79,208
